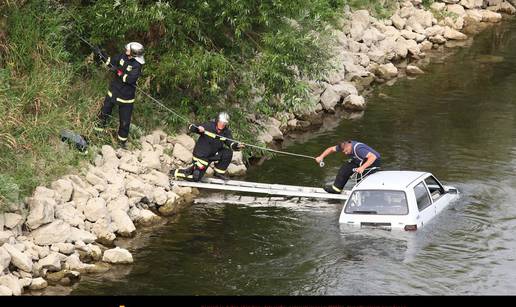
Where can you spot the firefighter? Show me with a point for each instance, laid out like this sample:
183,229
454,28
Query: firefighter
210,148
362,157
127,68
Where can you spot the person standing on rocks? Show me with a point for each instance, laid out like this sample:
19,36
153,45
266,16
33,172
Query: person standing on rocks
127,68
362,157
210,148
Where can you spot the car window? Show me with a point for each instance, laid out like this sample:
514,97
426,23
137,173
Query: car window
382,202
422,197
436,190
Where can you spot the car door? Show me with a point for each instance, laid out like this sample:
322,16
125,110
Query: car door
424,203
437,193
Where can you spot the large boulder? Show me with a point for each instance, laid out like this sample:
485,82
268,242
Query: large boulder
434,30
329,99
5,291
372,36
63,248
398,22
181,153
63,188
470,4
55,232
122,223
77,235
452,34
120,203
118,256
38,284
345,89
143,216
11,282
456,9
70,215
150,159
359,23
185,140
41,211
5,236
488,16
130,164
11,220
96,209
236,170
354,103
158,179
109,156
387,71
18,258
160,196
51,262
424,18
414,70
5,258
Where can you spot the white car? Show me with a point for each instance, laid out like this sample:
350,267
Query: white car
404,200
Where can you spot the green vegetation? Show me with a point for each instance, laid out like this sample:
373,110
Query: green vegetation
245,56
379,8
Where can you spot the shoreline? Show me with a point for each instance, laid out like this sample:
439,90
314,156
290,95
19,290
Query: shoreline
70,228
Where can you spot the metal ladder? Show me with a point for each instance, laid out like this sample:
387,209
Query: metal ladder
262,188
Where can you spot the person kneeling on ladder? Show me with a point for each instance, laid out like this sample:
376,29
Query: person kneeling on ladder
210,148
127,68
362,157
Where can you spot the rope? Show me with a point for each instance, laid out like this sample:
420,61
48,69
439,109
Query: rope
186,120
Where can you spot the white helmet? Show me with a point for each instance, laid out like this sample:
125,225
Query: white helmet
136,50
223,117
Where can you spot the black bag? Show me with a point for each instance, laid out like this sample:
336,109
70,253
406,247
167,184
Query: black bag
74,139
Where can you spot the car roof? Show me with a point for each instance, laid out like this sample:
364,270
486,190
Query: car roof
389,180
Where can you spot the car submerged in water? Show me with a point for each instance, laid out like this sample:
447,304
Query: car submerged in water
404,200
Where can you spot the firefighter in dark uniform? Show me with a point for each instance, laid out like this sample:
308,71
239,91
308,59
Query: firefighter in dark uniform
210,148
127,68
362,157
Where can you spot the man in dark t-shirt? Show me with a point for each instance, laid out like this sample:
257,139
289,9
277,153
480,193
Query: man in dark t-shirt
362,157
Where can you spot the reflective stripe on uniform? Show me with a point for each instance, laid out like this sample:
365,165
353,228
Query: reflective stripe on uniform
336,189
219,170
122,139
124,78
108,61
121,62
210,134
203,162
222,139
110,94
125,100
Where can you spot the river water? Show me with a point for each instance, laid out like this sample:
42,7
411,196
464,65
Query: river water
456,121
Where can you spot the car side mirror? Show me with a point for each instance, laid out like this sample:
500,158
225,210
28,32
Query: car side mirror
452,191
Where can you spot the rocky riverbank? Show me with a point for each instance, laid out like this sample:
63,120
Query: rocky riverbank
370,51
71,227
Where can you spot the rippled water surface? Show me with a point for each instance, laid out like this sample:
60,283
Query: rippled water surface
456,121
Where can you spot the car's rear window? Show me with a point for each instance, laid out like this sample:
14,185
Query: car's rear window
380,202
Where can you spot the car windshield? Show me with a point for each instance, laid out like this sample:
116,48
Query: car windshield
377,202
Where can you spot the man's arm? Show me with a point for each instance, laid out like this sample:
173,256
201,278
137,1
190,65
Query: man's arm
325,153
197,128
371,157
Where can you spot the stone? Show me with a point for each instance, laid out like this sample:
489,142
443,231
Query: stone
94,179
5,259
160,196
117,256
185,140
450,33
157,178
109,156
100,267
434,30
470,4
345,89
5,236
43,251
507,8
95,252
474,15
70,215
438,6
43,192
354,102
18,258
329,99
64,277
95,209
146,217
74,263
64,189
398,22
123,223
377,56
401,49
150,159
237,158
181,153
104,232
51,262
371,36
64,248
120,203
408,34
413,48
11,282
438,39
76,235
414,70
5,291
414,25
387,71
55,232
129,163
41,211
488,16
359,23
456,9
236,170
38,284
424,18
